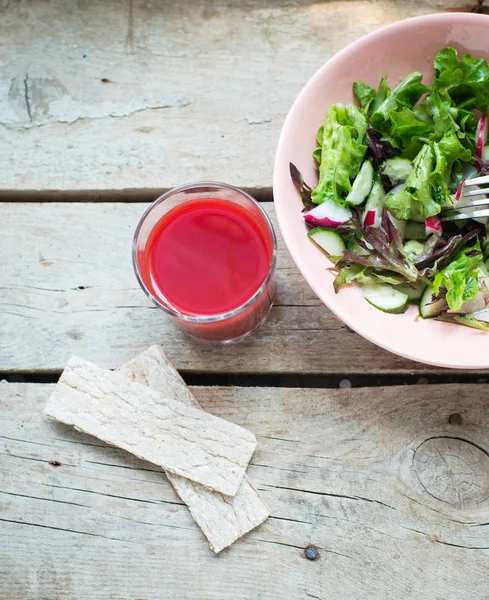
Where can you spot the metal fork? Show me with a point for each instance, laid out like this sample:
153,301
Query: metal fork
470,195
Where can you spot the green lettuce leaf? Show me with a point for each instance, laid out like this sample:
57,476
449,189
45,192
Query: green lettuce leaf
369,99
406,94
460,278
448,150
466,320
396,120
415,198
383,92
405,124
342,152
465,81
420,111
319,140
407,133
365,275
448,118
459,86
364,94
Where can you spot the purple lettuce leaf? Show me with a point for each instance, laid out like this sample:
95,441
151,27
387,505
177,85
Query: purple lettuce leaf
304,189
384,244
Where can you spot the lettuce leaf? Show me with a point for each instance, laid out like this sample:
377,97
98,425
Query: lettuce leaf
382,249
342,152
467,320
439,252
369,99
364,94
448,150
365,275
460,278
319,140
459,87
415,199
465,81
383,92
405,124
379,149
302,187
448,118
426,189
395,118
406,94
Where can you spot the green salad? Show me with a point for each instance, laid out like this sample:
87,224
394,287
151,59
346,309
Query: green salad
390,168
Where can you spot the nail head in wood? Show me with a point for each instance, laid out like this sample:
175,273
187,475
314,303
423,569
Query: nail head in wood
455,419
311,553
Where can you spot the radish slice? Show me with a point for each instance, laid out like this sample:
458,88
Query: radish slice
481,136
372,218
460,189
433,225
328,214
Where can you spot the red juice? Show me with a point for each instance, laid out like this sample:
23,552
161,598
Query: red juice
209,256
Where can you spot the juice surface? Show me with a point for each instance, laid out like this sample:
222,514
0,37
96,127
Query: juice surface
206,257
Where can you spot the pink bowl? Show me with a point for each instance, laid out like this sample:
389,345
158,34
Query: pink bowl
396,50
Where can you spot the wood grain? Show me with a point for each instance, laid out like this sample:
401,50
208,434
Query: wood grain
68,287
131,97
390,484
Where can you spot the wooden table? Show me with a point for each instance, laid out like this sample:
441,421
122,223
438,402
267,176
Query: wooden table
103,104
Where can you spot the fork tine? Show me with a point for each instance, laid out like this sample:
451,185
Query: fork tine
480,192
458,216
476,181
471,203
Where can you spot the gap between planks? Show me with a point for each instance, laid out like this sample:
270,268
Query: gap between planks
277,380
115,196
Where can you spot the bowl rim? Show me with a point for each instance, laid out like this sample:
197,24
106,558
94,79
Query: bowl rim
280,208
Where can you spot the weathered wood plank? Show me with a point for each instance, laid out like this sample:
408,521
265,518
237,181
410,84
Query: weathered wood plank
390,484
109,95
68,287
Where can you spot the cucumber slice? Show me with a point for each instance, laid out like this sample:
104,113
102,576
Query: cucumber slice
385,297
376,197
427,308
362,185
413,250
372,213
397,169
413,291
359,250
415,231
328,239
400,224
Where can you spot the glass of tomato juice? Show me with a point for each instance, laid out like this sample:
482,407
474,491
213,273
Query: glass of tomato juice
206,253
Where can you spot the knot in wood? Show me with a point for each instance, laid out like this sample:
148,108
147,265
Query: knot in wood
453,470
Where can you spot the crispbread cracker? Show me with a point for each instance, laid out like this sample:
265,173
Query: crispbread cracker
221,519
182,439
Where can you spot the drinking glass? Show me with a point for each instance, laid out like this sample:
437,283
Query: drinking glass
225,327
